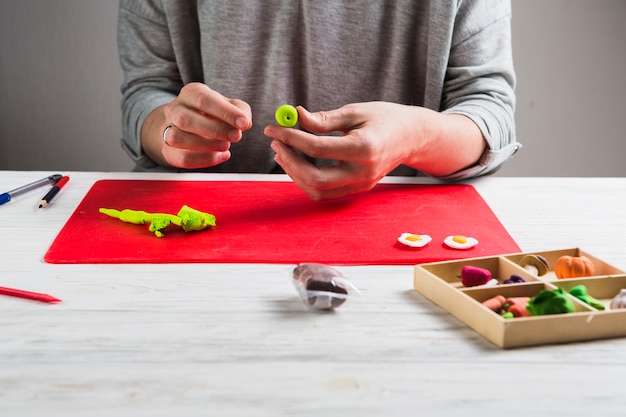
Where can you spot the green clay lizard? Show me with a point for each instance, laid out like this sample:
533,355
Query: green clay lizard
188,218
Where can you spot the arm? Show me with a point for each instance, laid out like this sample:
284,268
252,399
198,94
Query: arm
151,78
480,80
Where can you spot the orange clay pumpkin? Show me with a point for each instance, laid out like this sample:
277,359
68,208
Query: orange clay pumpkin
573,266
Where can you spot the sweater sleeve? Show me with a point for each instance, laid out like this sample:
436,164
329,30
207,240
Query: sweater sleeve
151,78
480,80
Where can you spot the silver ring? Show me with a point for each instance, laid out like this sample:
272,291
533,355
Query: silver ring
167,128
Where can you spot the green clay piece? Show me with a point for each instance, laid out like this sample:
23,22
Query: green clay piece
193,219
508,316
550,302
158,224
580,292
138,217
286,115
188,218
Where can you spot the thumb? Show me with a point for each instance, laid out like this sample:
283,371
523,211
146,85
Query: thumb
245,122
323,121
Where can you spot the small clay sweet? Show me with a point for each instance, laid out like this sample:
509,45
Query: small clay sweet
321,286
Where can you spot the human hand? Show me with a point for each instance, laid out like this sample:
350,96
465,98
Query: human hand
373,142
376,138
198,127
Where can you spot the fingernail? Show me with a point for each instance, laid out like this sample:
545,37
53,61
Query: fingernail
241,123
277,159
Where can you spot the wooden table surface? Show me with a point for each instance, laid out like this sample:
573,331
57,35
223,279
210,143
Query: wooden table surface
235,340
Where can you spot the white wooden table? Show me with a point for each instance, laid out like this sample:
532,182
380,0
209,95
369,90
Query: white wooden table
234,340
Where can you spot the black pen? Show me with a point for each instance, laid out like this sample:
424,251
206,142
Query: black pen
45,201
9,195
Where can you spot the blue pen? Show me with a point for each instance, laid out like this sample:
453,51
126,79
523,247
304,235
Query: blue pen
6,197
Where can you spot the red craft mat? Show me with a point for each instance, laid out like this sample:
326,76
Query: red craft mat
275,222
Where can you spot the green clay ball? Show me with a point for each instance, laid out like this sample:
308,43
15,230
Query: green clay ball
287,115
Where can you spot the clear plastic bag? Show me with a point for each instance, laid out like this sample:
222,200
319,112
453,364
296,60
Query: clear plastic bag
322,287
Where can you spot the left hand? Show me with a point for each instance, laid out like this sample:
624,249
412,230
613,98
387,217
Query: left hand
372,144
376,138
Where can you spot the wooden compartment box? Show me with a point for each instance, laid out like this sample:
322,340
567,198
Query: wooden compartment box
439,282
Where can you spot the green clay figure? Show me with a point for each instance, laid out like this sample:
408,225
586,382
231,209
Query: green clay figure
550,302
287,115
188,218
580,292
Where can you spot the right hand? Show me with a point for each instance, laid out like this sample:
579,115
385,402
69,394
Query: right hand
203,123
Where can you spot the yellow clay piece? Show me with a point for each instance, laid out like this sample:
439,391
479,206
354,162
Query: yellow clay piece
188,218
460,239
413,238
138,216
192,219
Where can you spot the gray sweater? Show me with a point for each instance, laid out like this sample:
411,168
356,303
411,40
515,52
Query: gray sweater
446,55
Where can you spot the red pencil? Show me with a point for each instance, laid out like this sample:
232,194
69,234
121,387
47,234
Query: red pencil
45,201
37,296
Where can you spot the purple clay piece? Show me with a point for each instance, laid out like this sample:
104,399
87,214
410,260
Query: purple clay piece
514,279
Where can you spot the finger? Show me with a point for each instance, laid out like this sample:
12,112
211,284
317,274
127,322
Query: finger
246,108
204,112
178,138
336,192
339,120
305,174
182,158
348,147
349,184
316,182
208,101
199,124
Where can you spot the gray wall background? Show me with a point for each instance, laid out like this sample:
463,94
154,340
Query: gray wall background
60,78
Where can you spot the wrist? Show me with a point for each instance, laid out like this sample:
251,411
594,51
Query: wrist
152,136
451,142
